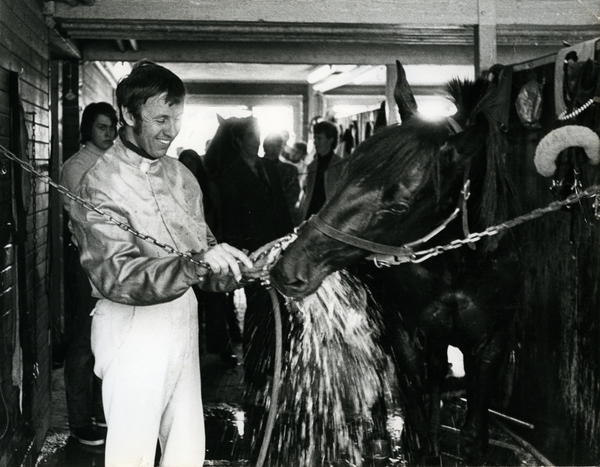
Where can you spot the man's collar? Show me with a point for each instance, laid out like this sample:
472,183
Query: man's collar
129,145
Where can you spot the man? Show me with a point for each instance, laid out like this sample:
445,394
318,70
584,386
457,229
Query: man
273,146
324,172
145,324
220,320
84,397
253,213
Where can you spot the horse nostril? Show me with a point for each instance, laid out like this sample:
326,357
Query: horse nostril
287,279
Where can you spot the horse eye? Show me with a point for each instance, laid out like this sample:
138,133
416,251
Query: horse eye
400,208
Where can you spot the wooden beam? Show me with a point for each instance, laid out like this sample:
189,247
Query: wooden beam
290,53
247,89
407,12
486,53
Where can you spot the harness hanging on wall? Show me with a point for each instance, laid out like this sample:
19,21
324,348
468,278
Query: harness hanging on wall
529,104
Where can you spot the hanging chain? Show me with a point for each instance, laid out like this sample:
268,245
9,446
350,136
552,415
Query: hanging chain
33,193
33,188
124,226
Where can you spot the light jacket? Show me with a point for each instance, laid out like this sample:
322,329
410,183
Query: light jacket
157,197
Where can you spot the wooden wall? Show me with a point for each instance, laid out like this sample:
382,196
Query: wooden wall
25,351
95,86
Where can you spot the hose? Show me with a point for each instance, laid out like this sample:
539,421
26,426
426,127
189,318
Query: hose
276,379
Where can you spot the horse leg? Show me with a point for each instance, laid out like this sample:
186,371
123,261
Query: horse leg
481,367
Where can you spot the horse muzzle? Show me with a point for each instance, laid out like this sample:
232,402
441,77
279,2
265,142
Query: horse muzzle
291,283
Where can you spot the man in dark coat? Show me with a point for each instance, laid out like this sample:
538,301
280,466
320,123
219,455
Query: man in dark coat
256,213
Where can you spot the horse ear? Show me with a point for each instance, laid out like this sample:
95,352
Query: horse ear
407,105
220,119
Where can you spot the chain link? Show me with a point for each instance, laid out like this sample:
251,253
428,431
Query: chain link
420,256
123,225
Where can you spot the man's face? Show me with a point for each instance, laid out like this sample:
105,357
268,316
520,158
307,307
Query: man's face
158,126
323,144
104,132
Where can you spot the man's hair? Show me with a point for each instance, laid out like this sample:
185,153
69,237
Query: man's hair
90,113
273,145
147,79
328,129
301,146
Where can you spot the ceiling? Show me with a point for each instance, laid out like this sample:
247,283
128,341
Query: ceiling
324,78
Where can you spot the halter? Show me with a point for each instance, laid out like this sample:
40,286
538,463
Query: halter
396,254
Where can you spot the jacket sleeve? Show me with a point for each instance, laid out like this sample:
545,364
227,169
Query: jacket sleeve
115,264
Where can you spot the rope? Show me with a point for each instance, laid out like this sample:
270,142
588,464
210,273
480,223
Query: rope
276,379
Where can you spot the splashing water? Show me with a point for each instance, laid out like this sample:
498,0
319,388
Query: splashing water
331,377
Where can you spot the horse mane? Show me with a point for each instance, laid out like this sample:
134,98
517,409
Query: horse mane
396,147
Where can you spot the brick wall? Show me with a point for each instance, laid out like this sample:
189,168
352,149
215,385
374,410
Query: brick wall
25,350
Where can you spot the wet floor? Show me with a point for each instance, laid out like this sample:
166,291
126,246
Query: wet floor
235,421
228,430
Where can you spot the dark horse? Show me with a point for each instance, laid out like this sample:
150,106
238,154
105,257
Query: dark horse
400,185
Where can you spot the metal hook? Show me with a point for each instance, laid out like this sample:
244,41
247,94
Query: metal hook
3,169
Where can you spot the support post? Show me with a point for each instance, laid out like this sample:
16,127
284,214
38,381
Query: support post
485,36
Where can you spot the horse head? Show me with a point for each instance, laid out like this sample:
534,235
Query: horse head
398,186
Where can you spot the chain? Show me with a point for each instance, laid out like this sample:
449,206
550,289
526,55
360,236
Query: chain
33,188
414,257
124,226
420,256
33,193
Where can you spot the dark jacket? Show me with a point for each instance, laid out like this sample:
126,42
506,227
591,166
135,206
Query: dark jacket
251,214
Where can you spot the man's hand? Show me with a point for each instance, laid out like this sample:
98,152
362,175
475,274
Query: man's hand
223,261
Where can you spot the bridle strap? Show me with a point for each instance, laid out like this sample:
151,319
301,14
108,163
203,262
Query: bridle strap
378,248
397,252
348,239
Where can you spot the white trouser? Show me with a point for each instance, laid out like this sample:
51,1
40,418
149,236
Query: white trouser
147,357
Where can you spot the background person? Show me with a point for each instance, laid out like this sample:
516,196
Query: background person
324,172
83,389
254,212
221,329
295,186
